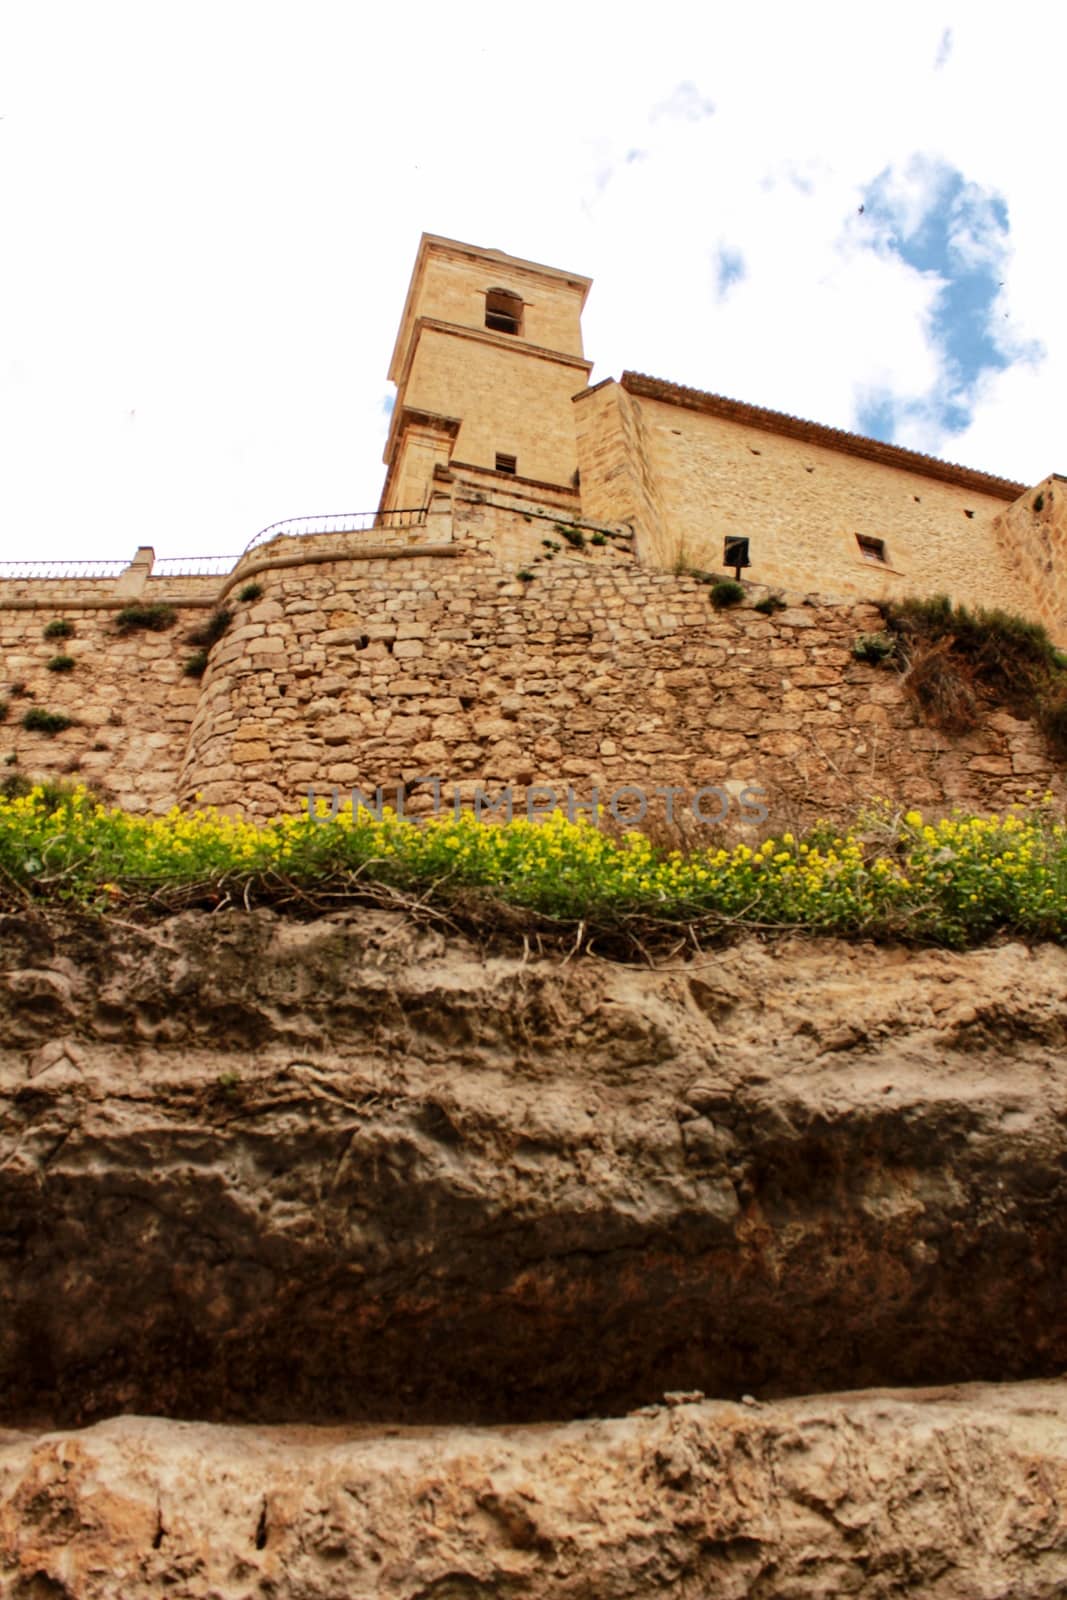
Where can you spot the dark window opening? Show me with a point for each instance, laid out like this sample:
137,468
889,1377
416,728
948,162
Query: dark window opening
506,463
503,311
872,549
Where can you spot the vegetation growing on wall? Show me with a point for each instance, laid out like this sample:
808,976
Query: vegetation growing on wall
152,618
952,658
954,882
728,592
61,628
38,720
211,631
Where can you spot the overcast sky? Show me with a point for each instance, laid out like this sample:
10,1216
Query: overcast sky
211,211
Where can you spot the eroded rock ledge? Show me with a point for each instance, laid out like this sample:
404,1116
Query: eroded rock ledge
256,1169
956,1494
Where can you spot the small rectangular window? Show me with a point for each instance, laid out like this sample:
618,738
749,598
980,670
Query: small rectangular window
872,550
503,311
506,463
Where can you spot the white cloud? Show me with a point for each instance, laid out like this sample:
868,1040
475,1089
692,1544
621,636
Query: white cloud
212,212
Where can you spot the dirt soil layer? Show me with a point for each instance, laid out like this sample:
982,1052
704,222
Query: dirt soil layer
261,1170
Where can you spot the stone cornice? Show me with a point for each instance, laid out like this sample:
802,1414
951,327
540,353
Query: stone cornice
405,417
503,341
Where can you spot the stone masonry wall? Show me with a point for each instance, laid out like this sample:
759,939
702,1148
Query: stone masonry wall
129,698
687,478
1031,537
617,483
426,653
596,673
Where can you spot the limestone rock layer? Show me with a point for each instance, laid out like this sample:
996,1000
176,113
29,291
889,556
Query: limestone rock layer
414,1238
955,1494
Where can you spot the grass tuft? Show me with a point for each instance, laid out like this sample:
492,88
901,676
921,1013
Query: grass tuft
38,720
727,592
151,618
211,631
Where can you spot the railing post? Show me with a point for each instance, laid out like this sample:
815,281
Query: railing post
131,582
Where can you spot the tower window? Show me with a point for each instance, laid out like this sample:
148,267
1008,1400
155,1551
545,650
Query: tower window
503,311
872,550
506,463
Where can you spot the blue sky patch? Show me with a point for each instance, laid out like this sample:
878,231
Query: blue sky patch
729,268
957,233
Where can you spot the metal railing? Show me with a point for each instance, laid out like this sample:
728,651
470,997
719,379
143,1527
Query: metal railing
62,569
220,566
340,522
194,566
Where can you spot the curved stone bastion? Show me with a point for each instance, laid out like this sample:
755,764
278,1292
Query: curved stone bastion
496,643
473,661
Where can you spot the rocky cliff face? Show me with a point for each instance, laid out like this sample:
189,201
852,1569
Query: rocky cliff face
350,1171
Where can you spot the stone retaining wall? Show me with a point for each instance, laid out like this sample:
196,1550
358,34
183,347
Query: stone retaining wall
129,698
407,659
593,674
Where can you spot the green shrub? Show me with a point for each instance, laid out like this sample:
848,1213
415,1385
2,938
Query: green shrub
196,665
770,604
251,591
62,664
211,631
524,575
37,720
1010,659
874,648
154,618
727,592
574,536
597,538
59,629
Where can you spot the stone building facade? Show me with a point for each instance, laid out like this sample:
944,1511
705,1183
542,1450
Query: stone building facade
526,606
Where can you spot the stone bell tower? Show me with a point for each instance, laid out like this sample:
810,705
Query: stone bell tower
488,356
